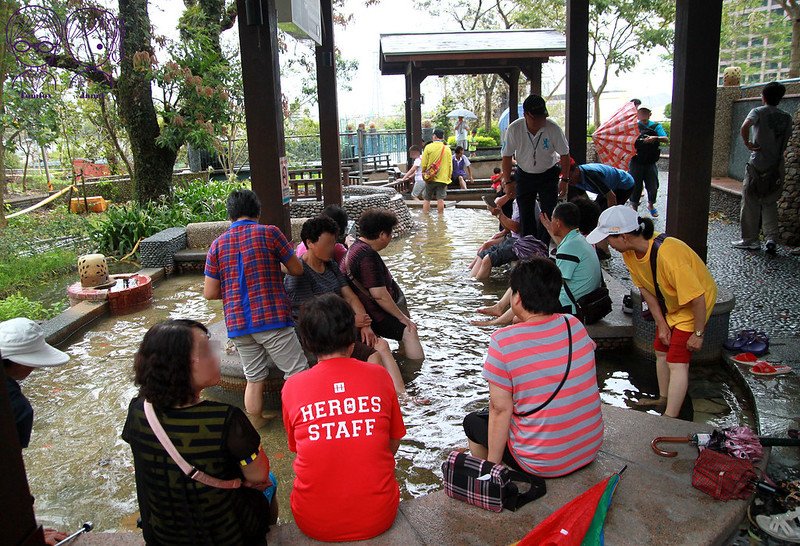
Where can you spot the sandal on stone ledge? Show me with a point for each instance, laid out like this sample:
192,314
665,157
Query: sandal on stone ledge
781,526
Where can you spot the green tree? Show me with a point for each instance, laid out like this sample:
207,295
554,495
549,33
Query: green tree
750,35
8,133
792,9
619,31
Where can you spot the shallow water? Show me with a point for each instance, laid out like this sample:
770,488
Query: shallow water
79,469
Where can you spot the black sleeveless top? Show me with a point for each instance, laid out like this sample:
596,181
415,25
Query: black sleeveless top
215,438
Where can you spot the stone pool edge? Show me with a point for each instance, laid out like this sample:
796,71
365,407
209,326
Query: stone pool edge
420,519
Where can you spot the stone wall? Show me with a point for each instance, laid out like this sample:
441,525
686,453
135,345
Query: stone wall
357,199
789,203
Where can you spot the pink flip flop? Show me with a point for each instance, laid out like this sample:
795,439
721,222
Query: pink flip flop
766,369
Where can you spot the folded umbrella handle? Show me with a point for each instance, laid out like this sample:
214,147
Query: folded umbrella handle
671,439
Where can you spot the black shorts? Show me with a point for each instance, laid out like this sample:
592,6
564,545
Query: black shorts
389,328
476,427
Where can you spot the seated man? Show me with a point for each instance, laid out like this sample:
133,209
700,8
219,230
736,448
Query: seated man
461,169
373,284
528,362
343,420
505,246
321,275
575,258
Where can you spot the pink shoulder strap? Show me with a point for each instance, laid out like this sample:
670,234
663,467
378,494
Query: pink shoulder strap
185,467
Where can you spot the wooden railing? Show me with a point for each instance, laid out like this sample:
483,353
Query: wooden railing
307,183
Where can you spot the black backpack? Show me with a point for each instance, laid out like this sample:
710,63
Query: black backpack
646,152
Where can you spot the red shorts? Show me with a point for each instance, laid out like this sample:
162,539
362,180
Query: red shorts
677,351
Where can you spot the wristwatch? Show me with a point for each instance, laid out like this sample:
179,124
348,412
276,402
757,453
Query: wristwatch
699,333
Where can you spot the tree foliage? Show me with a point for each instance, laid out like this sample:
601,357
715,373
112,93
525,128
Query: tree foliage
619,32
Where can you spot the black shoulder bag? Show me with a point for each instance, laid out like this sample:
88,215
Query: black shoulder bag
593,306
647,315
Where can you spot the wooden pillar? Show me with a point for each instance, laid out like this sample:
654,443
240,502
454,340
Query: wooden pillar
513,95
535,77
416,106
409,116
258,39
694,95
577,76
328,111
17,522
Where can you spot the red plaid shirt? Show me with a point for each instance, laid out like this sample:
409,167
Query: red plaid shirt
246,260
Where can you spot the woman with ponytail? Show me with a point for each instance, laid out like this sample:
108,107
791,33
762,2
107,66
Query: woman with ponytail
687,293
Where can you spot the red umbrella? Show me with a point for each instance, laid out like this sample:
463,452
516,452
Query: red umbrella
579,522
614,139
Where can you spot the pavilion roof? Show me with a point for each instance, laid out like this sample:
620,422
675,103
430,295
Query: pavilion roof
469,52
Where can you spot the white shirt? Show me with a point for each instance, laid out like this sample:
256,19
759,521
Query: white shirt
418,172
535,153
461,130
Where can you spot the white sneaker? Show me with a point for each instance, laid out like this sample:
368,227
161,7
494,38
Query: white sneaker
745,245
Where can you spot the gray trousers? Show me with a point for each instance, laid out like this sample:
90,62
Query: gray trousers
758,212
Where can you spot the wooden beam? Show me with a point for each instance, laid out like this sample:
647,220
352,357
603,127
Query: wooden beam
328,110
408,109
694,93
577,76
263,108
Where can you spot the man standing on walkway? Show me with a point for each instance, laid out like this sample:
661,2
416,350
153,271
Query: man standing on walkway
539,146
436,156
243,268
643,167
763,179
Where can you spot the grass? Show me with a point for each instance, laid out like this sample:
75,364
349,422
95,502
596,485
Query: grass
20,272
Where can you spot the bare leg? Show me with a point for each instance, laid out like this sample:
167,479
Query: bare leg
440,206
502,320
484,270
254,402
462,183
505,301
678,385
383,357
411,345
426,206
662,372
478,450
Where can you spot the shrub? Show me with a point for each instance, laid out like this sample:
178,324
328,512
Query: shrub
123,225
666,125
17,305
22,271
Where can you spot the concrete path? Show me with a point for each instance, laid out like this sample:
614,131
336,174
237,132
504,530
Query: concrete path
654,502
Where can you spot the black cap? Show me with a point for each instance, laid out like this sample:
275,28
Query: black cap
535,106
438,133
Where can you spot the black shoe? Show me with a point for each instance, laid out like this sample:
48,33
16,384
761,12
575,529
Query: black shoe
627,305
772,247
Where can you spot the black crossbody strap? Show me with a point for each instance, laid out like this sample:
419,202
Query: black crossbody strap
570,295
563,379
653,263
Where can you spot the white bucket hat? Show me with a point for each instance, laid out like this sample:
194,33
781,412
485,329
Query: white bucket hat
22,342
614,220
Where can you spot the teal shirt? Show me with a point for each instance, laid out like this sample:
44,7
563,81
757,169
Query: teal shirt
582,275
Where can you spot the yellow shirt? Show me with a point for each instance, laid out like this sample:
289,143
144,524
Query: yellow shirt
431,154
682,277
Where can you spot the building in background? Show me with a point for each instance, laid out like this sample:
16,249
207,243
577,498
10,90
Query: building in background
756,37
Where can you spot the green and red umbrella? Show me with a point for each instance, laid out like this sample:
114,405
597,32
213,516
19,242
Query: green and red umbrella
579,522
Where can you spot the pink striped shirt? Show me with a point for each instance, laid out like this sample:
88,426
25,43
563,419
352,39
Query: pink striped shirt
529,360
